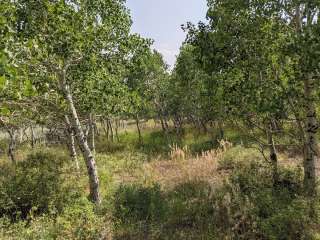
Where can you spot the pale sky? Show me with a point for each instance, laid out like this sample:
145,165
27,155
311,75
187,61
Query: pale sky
161,20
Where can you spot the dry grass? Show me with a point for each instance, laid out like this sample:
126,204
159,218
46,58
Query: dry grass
182,167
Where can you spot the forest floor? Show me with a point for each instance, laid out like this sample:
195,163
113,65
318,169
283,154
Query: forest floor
176,187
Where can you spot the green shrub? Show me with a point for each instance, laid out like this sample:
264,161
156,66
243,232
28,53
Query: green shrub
36,186
237,155
134,203
288,222
80,221
256,209
77,221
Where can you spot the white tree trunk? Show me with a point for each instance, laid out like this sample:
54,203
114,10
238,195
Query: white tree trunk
71,144
92,133
83,144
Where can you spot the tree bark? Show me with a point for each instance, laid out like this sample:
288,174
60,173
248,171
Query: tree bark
92,133
310,148
83,144
11,146
71,144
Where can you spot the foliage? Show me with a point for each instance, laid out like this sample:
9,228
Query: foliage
250,74
77,221
139,203
36,186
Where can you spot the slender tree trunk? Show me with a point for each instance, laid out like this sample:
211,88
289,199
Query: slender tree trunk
177,124
198,125
92,133
11,146
164,129
73,151
25,133
310,149
71,144
139,130
96,129
83,144
116,129
105,128
221,131
166,123
110,130
273,154
32,136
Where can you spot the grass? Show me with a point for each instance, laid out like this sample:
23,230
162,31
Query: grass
170,187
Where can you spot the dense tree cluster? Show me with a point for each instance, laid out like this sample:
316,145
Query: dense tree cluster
68,65
257,62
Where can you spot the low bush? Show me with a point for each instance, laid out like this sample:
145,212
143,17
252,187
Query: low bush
236,155
256,209
134,203
36,186
77,221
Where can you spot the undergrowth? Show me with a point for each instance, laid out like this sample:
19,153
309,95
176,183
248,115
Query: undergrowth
168,188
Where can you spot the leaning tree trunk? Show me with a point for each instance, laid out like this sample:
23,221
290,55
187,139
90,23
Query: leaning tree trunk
83,144
73,152
310,148
71,144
